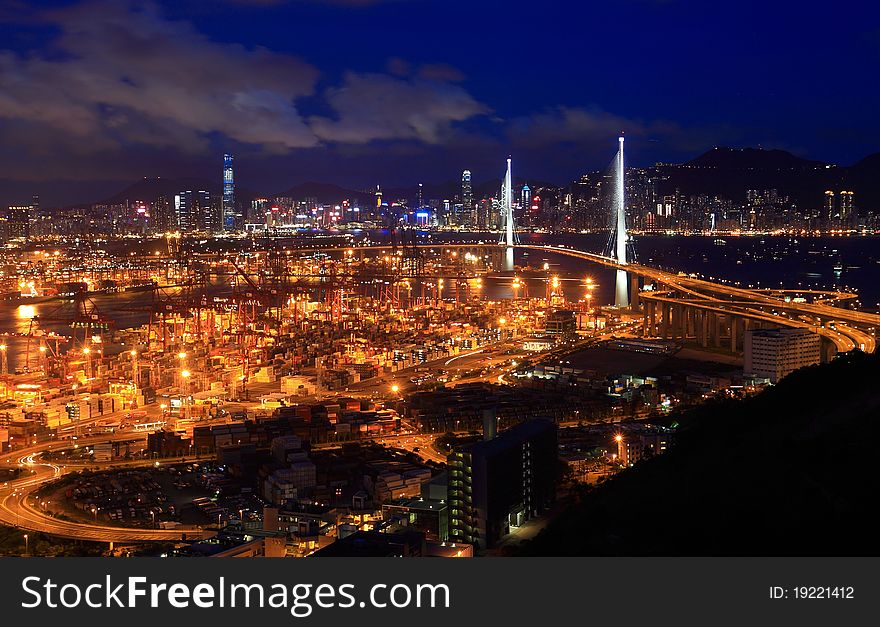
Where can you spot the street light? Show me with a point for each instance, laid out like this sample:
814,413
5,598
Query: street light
25,544
395,388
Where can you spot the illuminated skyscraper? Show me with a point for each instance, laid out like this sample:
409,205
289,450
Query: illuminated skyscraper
846,208
829,206
526,198
18,224
194,211
228,194
467,198
162,218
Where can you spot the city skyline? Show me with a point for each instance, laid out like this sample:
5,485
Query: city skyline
290,109
417,278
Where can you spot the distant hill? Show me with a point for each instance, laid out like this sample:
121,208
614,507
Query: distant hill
789,472
864,179
731,172
753,159
151,188
724,171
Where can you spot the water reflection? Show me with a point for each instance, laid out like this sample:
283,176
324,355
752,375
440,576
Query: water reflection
26,312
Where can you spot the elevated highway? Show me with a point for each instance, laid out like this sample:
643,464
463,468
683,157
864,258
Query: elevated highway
843,329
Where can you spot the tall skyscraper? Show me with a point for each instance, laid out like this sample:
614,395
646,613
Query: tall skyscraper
162,218
847,215
261,211
467,199
526,198
194,211
829,206
228,194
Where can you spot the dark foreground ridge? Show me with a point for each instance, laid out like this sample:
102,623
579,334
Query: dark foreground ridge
792,471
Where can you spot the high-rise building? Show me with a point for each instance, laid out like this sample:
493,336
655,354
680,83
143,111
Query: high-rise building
484,211
501,482
467,197
261,212
847,214
18,221
162,217
775,353
829,206
194,211
229,217
526,198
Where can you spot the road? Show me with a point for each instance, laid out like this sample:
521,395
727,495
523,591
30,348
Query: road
16,508
418,443
847,328
451,367
852,328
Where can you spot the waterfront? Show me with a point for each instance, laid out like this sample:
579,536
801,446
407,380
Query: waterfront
760,260
849,263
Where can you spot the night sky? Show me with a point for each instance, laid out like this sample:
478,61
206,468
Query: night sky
94,95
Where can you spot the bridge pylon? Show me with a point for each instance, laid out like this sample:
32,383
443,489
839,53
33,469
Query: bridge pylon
621,296
509,238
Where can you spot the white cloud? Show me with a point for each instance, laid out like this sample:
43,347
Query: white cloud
378,107
121,75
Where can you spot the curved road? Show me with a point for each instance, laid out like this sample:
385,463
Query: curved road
833,322
17,511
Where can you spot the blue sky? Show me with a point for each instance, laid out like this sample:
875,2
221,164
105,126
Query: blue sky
97,93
